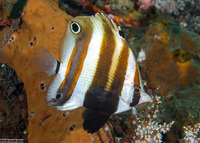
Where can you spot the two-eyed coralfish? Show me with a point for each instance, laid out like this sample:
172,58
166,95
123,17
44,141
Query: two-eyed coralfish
97,70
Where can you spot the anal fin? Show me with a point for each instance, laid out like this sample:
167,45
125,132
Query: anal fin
45,62
94,121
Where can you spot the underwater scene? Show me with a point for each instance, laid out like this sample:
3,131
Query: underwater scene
100,71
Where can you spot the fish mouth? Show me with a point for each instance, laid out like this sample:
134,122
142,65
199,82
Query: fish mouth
61,106
52,102
65,106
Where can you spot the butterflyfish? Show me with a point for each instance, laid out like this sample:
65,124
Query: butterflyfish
97,70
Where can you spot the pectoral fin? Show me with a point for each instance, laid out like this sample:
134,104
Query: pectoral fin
45,62
94,121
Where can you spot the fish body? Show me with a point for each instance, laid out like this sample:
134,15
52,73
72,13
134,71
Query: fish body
97,70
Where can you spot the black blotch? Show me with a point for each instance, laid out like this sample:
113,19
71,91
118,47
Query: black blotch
75,27
43,85
58,96
72,128
94,121
100,100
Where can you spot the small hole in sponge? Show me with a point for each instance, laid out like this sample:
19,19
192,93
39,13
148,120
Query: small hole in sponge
34,38
32,114
31,44
11,40
65,114
52,28
72,128
43,85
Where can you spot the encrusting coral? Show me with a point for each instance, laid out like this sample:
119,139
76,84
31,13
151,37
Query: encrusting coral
44,25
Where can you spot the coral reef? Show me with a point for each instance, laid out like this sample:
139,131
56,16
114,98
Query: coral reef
13,105
147,129
170,57
191,134
185,12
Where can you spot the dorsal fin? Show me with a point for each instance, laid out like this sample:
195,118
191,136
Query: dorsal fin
110,23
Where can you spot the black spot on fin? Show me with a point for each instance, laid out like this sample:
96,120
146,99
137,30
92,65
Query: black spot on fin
45,62
94,121
100,100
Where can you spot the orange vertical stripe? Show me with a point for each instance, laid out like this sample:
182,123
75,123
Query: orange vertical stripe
136,78
68,66
79,68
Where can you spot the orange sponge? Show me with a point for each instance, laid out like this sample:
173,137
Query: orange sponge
44,25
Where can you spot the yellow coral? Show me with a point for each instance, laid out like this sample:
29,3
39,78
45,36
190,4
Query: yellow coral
164,38
183,62
161,26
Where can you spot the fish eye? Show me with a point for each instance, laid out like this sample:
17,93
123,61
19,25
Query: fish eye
75,27
58,96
